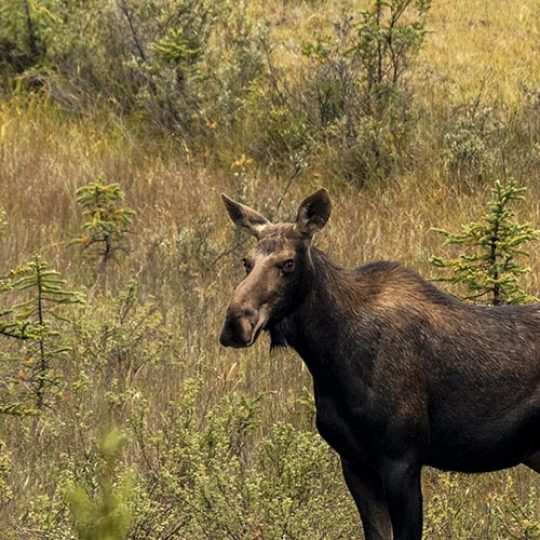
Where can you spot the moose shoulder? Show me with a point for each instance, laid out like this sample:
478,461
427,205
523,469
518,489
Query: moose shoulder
404,375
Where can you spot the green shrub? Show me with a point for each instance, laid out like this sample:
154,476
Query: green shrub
356,87
215,478
206,70
473,142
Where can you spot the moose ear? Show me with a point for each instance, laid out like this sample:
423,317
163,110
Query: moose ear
313,213
245,217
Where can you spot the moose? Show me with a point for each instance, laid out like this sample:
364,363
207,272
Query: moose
404,375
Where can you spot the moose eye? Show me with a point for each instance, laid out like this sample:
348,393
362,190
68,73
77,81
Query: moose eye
288,266
247,266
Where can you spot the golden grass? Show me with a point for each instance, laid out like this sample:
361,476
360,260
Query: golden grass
46,153
484,46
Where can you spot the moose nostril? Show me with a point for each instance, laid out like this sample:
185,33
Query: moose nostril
242,325
250,314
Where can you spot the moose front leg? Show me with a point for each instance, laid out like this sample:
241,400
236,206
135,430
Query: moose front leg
403,491
367,491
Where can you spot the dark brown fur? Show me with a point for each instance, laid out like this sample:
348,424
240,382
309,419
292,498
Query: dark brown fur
404,375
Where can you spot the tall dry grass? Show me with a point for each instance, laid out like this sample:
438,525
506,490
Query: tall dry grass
180,255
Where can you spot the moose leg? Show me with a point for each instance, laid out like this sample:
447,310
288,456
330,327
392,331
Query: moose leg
534,462
404,495
367,491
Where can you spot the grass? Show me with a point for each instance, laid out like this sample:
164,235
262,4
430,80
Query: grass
136,367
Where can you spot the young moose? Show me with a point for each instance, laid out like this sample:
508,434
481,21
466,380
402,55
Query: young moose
404,375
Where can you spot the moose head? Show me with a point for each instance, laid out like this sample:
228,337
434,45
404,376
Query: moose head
277,268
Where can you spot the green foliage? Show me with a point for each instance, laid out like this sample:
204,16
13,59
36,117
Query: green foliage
211,476
10,327
347,102
518,519
472,143
107,223
236,65
142,56
208,70
357,79
220,474
19,330
120,340
285,86
365,61
448,515
105,515
490,266
18,409
172,37
219,477
40,316
19,44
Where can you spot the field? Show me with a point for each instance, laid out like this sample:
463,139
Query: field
217,443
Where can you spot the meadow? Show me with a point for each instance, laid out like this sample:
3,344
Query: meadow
221,444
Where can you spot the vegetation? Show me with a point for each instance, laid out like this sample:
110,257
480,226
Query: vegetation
36,320
175,101
108,223
106,518
491,267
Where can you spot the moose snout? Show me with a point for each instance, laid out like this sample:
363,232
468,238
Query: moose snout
240,327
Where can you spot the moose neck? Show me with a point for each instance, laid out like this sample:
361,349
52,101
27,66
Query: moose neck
318,329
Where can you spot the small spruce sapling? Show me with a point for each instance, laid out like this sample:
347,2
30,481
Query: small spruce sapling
17,330
490,265
42,312
107,221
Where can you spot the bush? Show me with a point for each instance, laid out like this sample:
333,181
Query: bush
200,478
138,56
472,142
349,101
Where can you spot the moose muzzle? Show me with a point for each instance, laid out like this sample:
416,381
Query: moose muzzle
242,327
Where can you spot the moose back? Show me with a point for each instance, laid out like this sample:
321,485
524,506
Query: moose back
404,375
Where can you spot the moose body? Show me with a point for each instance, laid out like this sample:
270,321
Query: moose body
404,375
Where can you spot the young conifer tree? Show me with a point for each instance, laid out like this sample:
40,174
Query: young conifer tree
16,330
107,221
10,379
489,266
42,312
